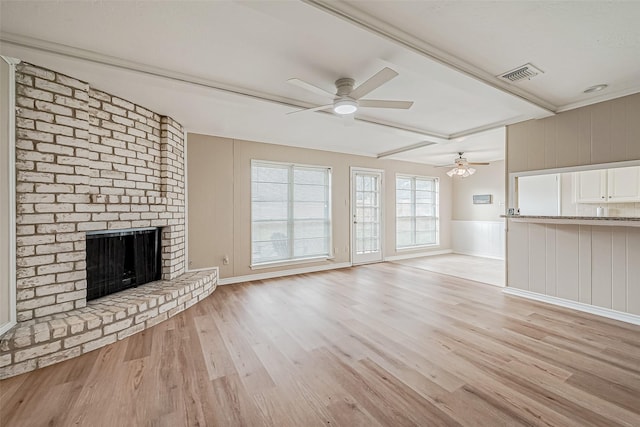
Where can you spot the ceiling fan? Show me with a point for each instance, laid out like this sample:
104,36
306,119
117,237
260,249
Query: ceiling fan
347,99
461,166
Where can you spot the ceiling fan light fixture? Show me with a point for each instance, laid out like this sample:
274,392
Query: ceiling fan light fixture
461,171
345,106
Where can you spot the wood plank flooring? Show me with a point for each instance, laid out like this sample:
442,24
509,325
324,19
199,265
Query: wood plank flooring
479,269
376,345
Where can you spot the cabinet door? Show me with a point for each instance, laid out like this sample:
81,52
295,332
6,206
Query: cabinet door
590,186
623,184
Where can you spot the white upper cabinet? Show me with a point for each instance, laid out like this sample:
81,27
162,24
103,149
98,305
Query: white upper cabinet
618,185
623,184
590,186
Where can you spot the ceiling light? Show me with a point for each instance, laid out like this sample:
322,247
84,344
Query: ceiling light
345,106
596,88
461,171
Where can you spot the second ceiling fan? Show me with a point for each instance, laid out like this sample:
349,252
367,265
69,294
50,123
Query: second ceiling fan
347,99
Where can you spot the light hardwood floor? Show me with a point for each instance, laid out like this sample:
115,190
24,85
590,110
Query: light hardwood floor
479,269
377,345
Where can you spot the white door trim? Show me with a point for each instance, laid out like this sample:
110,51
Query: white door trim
11,134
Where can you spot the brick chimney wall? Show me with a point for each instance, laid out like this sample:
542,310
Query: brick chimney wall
87,160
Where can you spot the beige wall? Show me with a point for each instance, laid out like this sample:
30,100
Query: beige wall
487,180
219,202
5,211
600,133
590,264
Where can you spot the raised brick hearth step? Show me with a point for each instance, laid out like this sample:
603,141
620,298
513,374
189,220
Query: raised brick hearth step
47,340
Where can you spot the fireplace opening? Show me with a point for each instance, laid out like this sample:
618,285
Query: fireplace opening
122,259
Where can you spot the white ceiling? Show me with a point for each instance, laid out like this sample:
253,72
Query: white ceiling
221,67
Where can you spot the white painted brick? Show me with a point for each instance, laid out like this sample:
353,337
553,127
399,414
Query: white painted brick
34,135
35,156
69,81
25,123
54,289
53,168
82,338
30,92
71,276
31,281
37,302
53,108
58,357
54,248
122,120
70,102
72,179
102,96
64,160
73,217
5,360
52,309
35,177
55,228
71,296
72,141
130,331
53,188
54,268
113,109
56,149
52,207
35,71
93,345
69,237
169,305
52,87
72,122
37,351
70,256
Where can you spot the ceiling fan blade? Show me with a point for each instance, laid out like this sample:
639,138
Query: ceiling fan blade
310,87
446,166
319,108
478,164
377,80
378,103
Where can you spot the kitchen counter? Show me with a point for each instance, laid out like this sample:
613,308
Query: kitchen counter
577,220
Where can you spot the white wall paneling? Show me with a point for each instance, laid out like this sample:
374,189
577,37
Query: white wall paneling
478,238
597,265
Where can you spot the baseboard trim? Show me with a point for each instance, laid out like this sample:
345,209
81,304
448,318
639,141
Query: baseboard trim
282,273
417,255
587,308
478,254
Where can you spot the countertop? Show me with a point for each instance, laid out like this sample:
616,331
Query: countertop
618,221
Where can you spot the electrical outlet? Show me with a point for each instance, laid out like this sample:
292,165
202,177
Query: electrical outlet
225,260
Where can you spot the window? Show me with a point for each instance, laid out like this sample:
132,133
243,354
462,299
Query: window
290,212
416,211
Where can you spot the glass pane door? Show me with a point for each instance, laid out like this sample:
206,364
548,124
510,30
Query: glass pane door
366,216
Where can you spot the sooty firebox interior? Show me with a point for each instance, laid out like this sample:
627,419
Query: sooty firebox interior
121,260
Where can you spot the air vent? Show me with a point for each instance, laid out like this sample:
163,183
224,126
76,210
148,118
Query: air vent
526,71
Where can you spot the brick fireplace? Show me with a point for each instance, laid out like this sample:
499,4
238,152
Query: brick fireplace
88,161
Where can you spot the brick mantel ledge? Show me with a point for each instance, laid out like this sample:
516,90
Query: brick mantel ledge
47,340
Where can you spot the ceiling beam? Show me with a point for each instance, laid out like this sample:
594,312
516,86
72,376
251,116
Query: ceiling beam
374,25
30,43
405,149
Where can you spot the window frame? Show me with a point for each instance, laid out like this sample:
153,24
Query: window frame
413,217
290,221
